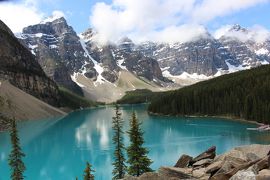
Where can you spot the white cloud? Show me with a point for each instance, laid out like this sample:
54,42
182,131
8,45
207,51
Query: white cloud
256,33
55,15
160,20
19,15
210,9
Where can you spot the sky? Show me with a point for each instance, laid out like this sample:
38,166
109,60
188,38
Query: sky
141,20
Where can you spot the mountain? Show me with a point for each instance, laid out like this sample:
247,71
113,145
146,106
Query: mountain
19,67
58,50
242,94
80,64
207,57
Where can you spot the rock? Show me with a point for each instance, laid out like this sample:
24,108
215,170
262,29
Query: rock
150,176
203,162
234,161
262,164
214,167
252,157
263,175
260,150
228,174
232,154
174,172
244,175
198,173
183,161
208,154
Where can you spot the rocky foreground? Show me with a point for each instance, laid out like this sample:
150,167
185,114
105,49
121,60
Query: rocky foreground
250,162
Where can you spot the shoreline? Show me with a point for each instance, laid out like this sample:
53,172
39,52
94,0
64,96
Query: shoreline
228,118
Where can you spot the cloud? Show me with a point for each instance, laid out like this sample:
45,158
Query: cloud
160,20
256,33
55,15
210,9
19,15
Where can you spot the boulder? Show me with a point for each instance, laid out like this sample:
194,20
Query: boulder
232,154
198,173
208,154
244,175
173,172
263,175
228,174
203,162
214,167
262,164
183,161
260,150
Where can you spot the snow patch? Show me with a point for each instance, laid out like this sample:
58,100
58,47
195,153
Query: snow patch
53,46
262,51
233,68
97,65
120,62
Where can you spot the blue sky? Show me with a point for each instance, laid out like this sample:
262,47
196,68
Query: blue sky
142,19
78,12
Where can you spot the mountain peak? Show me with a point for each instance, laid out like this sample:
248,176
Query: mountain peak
237,27
56,16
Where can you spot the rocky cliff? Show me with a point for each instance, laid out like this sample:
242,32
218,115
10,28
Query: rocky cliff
58,50
77,61
19,67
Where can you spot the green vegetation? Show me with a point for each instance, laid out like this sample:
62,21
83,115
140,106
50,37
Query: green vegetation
72,100
137,154
88,172
16,155
244,94
138,96
119,158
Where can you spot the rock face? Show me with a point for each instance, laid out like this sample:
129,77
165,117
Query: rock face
237,164
123,56
58,51
19,67
208,55
63,55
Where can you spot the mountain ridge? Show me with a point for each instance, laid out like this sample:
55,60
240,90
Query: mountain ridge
65,55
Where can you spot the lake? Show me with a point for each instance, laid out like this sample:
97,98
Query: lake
57,149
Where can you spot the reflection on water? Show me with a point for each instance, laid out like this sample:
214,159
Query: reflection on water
59,149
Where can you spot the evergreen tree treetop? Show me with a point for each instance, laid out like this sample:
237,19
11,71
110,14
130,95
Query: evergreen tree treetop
16,155
119,159
137,154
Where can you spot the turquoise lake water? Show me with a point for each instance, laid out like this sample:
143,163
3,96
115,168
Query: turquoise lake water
58,149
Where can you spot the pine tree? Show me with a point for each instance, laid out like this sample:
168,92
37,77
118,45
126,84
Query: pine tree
119,159
88,172
16,155
137,154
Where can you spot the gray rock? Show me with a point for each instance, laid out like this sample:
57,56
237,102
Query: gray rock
203,162
215,166
244,175
183,161
208,154
263,175
173,172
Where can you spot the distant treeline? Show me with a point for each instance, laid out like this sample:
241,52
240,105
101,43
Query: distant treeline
244,94
138,96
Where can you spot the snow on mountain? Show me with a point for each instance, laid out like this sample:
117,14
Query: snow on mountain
76,61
